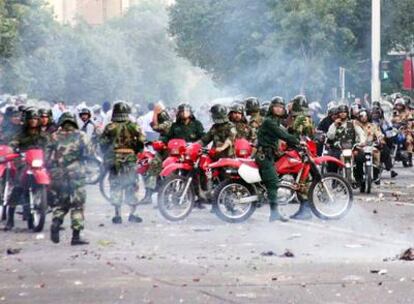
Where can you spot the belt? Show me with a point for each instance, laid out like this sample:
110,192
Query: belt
124,151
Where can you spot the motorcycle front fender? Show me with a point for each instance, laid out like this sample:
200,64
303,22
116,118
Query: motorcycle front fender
169,160
329,159
225,163
167,171
41,177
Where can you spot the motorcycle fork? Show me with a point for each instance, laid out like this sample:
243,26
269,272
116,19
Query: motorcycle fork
188,184
6,185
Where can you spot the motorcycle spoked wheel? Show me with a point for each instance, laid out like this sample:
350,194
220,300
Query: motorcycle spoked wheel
3,208
366,184
330,198
93,170
36,218
226,201
169,196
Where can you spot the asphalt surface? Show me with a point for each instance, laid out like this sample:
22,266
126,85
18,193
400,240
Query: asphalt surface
204,260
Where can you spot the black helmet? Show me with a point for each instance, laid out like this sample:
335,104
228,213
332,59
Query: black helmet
22,108
252,105
377,110
68,117
277,100
237,108
120,112
264,108
400,102
219,114
332,111
45,112
364,112
31,113
300,105
11,111
86,111
184,107
343,109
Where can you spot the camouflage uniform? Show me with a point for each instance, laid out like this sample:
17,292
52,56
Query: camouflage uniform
243,130
219,134
154,170
67,146
120,142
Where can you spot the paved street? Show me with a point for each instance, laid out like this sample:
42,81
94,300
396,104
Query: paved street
204,260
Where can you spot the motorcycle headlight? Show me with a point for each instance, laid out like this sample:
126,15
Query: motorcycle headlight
37,163
347,153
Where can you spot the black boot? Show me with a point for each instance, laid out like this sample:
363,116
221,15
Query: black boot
304,213
393,174
275,214
10,218
54,230
410,159
134,218
117,219
76,239
147,200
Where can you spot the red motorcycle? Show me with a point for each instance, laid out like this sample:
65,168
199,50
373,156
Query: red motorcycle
236,198
190,177
7,174
34,182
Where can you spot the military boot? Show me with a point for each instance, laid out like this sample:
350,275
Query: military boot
77,240
304,213
275,214
117,219
10,219
410,159
54,230
147,200
134,218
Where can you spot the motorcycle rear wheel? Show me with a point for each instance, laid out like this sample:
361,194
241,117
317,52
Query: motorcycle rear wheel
330,198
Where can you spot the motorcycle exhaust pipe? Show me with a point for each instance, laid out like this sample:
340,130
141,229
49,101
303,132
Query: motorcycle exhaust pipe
249,199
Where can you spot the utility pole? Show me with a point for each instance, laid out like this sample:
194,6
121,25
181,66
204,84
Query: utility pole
342,82
376,50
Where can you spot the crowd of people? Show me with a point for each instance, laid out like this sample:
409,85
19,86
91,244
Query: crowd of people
119,131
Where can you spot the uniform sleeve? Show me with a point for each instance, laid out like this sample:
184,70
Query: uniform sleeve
331,132
208,137
282,134
200,130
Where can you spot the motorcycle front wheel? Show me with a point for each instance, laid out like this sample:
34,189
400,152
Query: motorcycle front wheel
36,217
171,204
330,198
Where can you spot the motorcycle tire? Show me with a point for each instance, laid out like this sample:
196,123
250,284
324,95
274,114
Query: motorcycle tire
3,207
368,179
36,218
93,170
219,199
317,197
104,185
167,199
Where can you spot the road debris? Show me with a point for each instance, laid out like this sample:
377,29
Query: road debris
287,254
268,253
407,255
379,271
11,251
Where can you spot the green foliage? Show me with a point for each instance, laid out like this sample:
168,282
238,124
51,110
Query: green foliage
286,46
131,58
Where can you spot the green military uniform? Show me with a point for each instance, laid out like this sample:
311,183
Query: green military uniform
190,132
268,138
67,147
120,141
